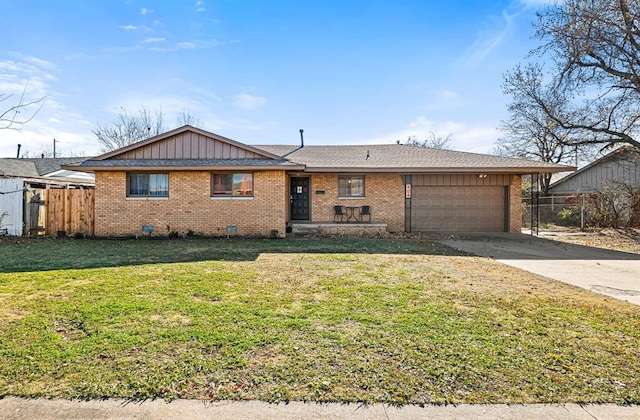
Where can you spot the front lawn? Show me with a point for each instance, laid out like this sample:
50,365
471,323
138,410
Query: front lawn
396,321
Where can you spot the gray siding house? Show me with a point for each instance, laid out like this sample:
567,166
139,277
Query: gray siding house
611,173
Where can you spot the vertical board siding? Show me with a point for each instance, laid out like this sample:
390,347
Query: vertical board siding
11,206
188,146
607,175
71,211
459,180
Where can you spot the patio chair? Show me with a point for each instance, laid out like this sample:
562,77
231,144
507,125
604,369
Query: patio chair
365,211
338,213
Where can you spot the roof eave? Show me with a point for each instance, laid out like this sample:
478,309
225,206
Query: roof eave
441,170
185,168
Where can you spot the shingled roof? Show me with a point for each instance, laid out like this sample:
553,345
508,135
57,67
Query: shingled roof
35,167
190,148
403,158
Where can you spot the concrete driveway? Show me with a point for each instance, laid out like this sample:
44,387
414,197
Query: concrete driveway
612,273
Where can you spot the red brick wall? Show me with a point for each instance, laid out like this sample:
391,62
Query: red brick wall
384,193
190,207
515,204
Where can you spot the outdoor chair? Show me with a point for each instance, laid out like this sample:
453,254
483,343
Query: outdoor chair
338,213
365,211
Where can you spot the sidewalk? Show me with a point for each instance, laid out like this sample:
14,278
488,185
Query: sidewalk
32,409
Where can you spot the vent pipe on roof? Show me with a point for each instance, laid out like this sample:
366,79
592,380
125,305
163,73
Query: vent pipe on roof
18,155
301,138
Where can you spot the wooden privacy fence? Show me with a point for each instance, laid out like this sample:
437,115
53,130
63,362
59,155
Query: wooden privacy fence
70,211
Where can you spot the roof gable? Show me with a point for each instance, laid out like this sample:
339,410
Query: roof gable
187,142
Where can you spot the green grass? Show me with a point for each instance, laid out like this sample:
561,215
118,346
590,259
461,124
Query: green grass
318,320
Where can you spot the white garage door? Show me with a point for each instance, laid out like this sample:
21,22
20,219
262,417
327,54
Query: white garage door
458,209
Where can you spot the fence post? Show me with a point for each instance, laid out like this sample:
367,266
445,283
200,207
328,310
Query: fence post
582,213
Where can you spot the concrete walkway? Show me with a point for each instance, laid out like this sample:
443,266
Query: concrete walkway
32,409
612,273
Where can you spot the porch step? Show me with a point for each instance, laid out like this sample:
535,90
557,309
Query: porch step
302,229
328,228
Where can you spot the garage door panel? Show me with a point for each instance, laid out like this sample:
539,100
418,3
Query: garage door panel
468,208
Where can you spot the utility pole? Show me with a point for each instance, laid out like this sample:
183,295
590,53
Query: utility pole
54,147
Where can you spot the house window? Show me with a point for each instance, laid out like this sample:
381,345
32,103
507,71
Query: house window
351,186
232,184
148,185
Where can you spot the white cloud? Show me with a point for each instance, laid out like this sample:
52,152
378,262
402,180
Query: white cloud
32,76
448,94
465,137
489,39
129,27
37,138
39,62
145,11
19,76
186,45
151,40
248,102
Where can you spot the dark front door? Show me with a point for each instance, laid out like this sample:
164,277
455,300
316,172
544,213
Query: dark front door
299,198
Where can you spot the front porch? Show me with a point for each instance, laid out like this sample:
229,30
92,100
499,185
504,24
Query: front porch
336,228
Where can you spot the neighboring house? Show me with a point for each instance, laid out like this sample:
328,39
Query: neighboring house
604,193
23,181
189,179
611,173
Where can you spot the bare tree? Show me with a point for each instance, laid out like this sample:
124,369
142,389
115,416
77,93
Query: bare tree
432,141
187,118
529,132
19,113
129,128
595,48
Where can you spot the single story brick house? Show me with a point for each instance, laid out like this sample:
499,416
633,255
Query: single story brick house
189,179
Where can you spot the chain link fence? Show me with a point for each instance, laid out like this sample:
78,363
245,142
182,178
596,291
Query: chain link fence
603,210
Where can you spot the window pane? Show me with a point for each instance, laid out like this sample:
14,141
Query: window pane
357,187
219,184
233,184
242,184
138,184
351,186
159,184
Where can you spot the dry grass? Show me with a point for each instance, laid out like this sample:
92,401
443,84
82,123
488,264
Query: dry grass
625,240
393,325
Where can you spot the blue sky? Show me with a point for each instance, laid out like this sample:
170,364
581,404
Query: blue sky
347,72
